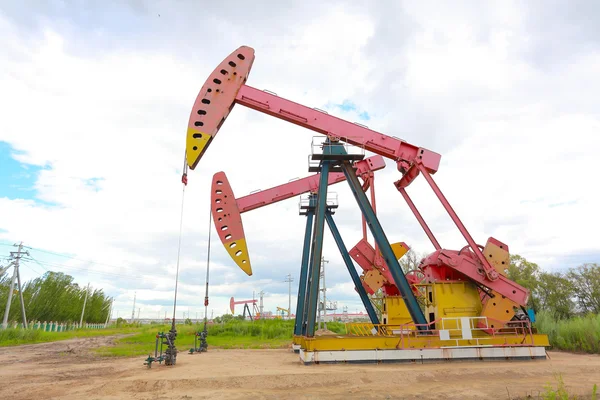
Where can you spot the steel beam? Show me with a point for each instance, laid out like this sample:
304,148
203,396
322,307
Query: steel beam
384,246
299,322
420,218
317,250
357,283
490,271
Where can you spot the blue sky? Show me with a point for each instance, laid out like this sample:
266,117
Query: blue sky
108,88
348,105
17,179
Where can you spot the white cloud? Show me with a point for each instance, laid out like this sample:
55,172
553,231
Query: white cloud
518,135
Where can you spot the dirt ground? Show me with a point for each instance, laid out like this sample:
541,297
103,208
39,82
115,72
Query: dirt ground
68,370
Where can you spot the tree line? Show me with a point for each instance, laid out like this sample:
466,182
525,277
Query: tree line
565,294
54,297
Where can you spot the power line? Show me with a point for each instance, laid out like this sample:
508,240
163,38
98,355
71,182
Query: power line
121,267
80,259
91,271
31,268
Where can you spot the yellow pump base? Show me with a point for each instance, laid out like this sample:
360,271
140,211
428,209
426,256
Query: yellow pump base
456,339
459,329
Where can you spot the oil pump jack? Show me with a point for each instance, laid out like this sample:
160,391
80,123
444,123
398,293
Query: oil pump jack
469,308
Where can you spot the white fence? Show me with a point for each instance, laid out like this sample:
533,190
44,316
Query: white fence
54,326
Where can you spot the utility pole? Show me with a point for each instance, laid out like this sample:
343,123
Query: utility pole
289,279
112,300
16,255
84,302
323,289
262,315
133,310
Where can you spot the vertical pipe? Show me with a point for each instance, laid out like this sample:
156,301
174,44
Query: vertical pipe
207,273
384,245
304,271
317,250
355,278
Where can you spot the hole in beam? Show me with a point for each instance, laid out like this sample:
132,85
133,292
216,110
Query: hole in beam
231,63
224,227
238,253
197,135
228,236
232,245
206,101
241,56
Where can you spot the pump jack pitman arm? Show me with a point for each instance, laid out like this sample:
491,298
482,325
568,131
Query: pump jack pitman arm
226,209
226,86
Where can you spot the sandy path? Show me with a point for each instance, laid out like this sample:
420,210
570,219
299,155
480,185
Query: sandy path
66,370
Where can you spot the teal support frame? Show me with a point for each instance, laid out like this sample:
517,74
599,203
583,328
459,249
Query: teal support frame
350,265
310,212
312,294
384,246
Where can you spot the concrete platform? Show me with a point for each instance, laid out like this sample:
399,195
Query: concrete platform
478,353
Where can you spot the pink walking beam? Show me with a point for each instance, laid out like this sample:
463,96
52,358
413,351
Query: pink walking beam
227,210
226,86
318,121
301,186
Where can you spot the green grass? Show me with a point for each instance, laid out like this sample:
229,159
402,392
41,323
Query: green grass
13,337
562,393
262,334
579,334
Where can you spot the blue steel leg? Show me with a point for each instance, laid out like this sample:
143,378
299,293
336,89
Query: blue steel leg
299,322
317,251
384,246
357,283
